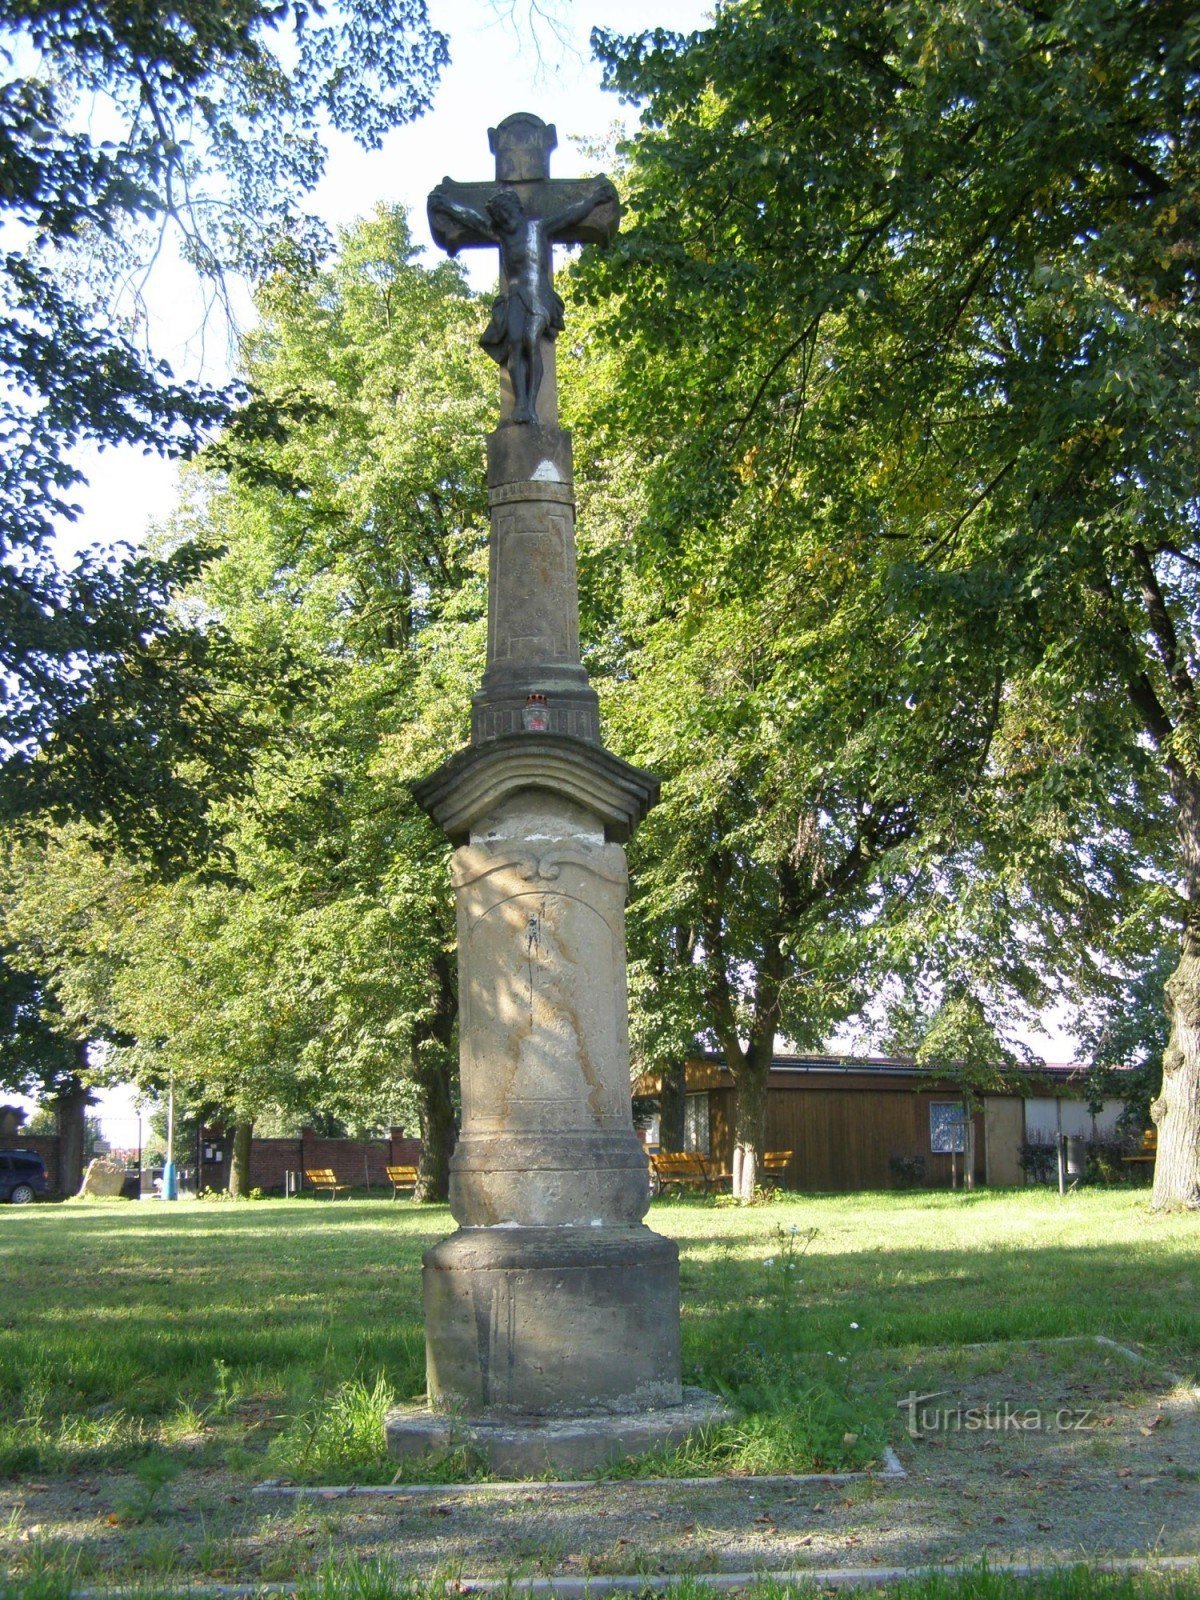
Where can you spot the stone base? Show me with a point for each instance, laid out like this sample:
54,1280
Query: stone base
552,1322
531,1447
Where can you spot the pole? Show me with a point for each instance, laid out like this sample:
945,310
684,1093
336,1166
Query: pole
1060,1147
170,1184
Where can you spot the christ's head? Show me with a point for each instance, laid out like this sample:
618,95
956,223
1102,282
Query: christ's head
505,209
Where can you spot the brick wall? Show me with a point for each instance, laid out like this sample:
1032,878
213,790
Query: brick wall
353,1161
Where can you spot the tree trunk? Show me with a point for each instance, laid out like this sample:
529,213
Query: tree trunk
672,1101
70,1114
435,1109
749,1125
433,1074
239,1160
1176,1112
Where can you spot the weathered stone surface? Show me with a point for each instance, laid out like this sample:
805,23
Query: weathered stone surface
552,1321
462,792
534,456
533,605
544,1059
103,1179
546,1047
568,1447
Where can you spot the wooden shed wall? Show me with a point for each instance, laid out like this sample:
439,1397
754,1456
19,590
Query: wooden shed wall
841,1136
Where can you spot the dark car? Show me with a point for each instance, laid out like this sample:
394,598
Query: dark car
22,1176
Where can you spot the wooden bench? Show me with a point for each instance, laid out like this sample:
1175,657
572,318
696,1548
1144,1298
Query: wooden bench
686,1169
401,1178
1148,1149
319,1178
773,1167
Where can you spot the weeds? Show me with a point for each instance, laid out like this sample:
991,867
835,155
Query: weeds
337,1437
150,1494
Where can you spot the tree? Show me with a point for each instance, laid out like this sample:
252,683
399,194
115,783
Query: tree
1127,1039
939,268
317,969
205,125
56,979
40,1056
309,963
806,754
953,1040
356,547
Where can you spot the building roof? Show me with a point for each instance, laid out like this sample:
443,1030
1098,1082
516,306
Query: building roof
900,1066
705,1070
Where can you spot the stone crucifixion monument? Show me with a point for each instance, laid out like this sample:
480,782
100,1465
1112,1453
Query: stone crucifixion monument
552,1314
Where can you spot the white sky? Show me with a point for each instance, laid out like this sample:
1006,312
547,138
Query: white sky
497,67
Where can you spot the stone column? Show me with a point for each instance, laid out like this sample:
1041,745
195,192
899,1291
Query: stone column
533,595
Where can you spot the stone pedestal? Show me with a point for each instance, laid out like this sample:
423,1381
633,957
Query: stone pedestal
533,593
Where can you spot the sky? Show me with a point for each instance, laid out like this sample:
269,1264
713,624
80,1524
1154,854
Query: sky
503,59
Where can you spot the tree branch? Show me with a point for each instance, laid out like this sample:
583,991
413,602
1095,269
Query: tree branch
1162,627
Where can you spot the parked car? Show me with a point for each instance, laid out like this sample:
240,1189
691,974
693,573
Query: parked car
22,1176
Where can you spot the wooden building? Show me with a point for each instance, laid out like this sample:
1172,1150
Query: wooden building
858,1122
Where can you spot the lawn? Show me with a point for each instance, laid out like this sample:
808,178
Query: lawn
238,1342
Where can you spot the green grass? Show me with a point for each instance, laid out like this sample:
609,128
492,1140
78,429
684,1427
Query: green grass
269,1338
382,1580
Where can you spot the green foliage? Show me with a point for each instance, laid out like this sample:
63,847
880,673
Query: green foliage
337,1437
150,1495
122,130
910,300
1125,1039
308,965
37,1051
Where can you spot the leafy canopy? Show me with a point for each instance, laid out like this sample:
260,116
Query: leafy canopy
123,127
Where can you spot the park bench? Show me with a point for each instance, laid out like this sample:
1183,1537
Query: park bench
686,1169
1148,1148
319,1178
401,1178
683,1169
773,1167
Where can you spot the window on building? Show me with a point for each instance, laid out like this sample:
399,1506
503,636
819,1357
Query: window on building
947,1128
695,1124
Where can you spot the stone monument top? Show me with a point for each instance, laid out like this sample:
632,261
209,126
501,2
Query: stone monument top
522,145
523,214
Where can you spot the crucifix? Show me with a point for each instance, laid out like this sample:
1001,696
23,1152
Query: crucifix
552,1314
524,213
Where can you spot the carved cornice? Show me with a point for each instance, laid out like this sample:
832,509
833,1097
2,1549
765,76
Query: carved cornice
519,864
474,781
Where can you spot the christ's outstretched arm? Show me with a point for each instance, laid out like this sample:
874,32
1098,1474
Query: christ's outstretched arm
466,216
593,196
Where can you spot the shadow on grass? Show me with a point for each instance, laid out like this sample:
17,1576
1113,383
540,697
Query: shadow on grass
212,1330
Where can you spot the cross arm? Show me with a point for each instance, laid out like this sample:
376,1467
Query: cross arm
457,215
587,211
574,210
